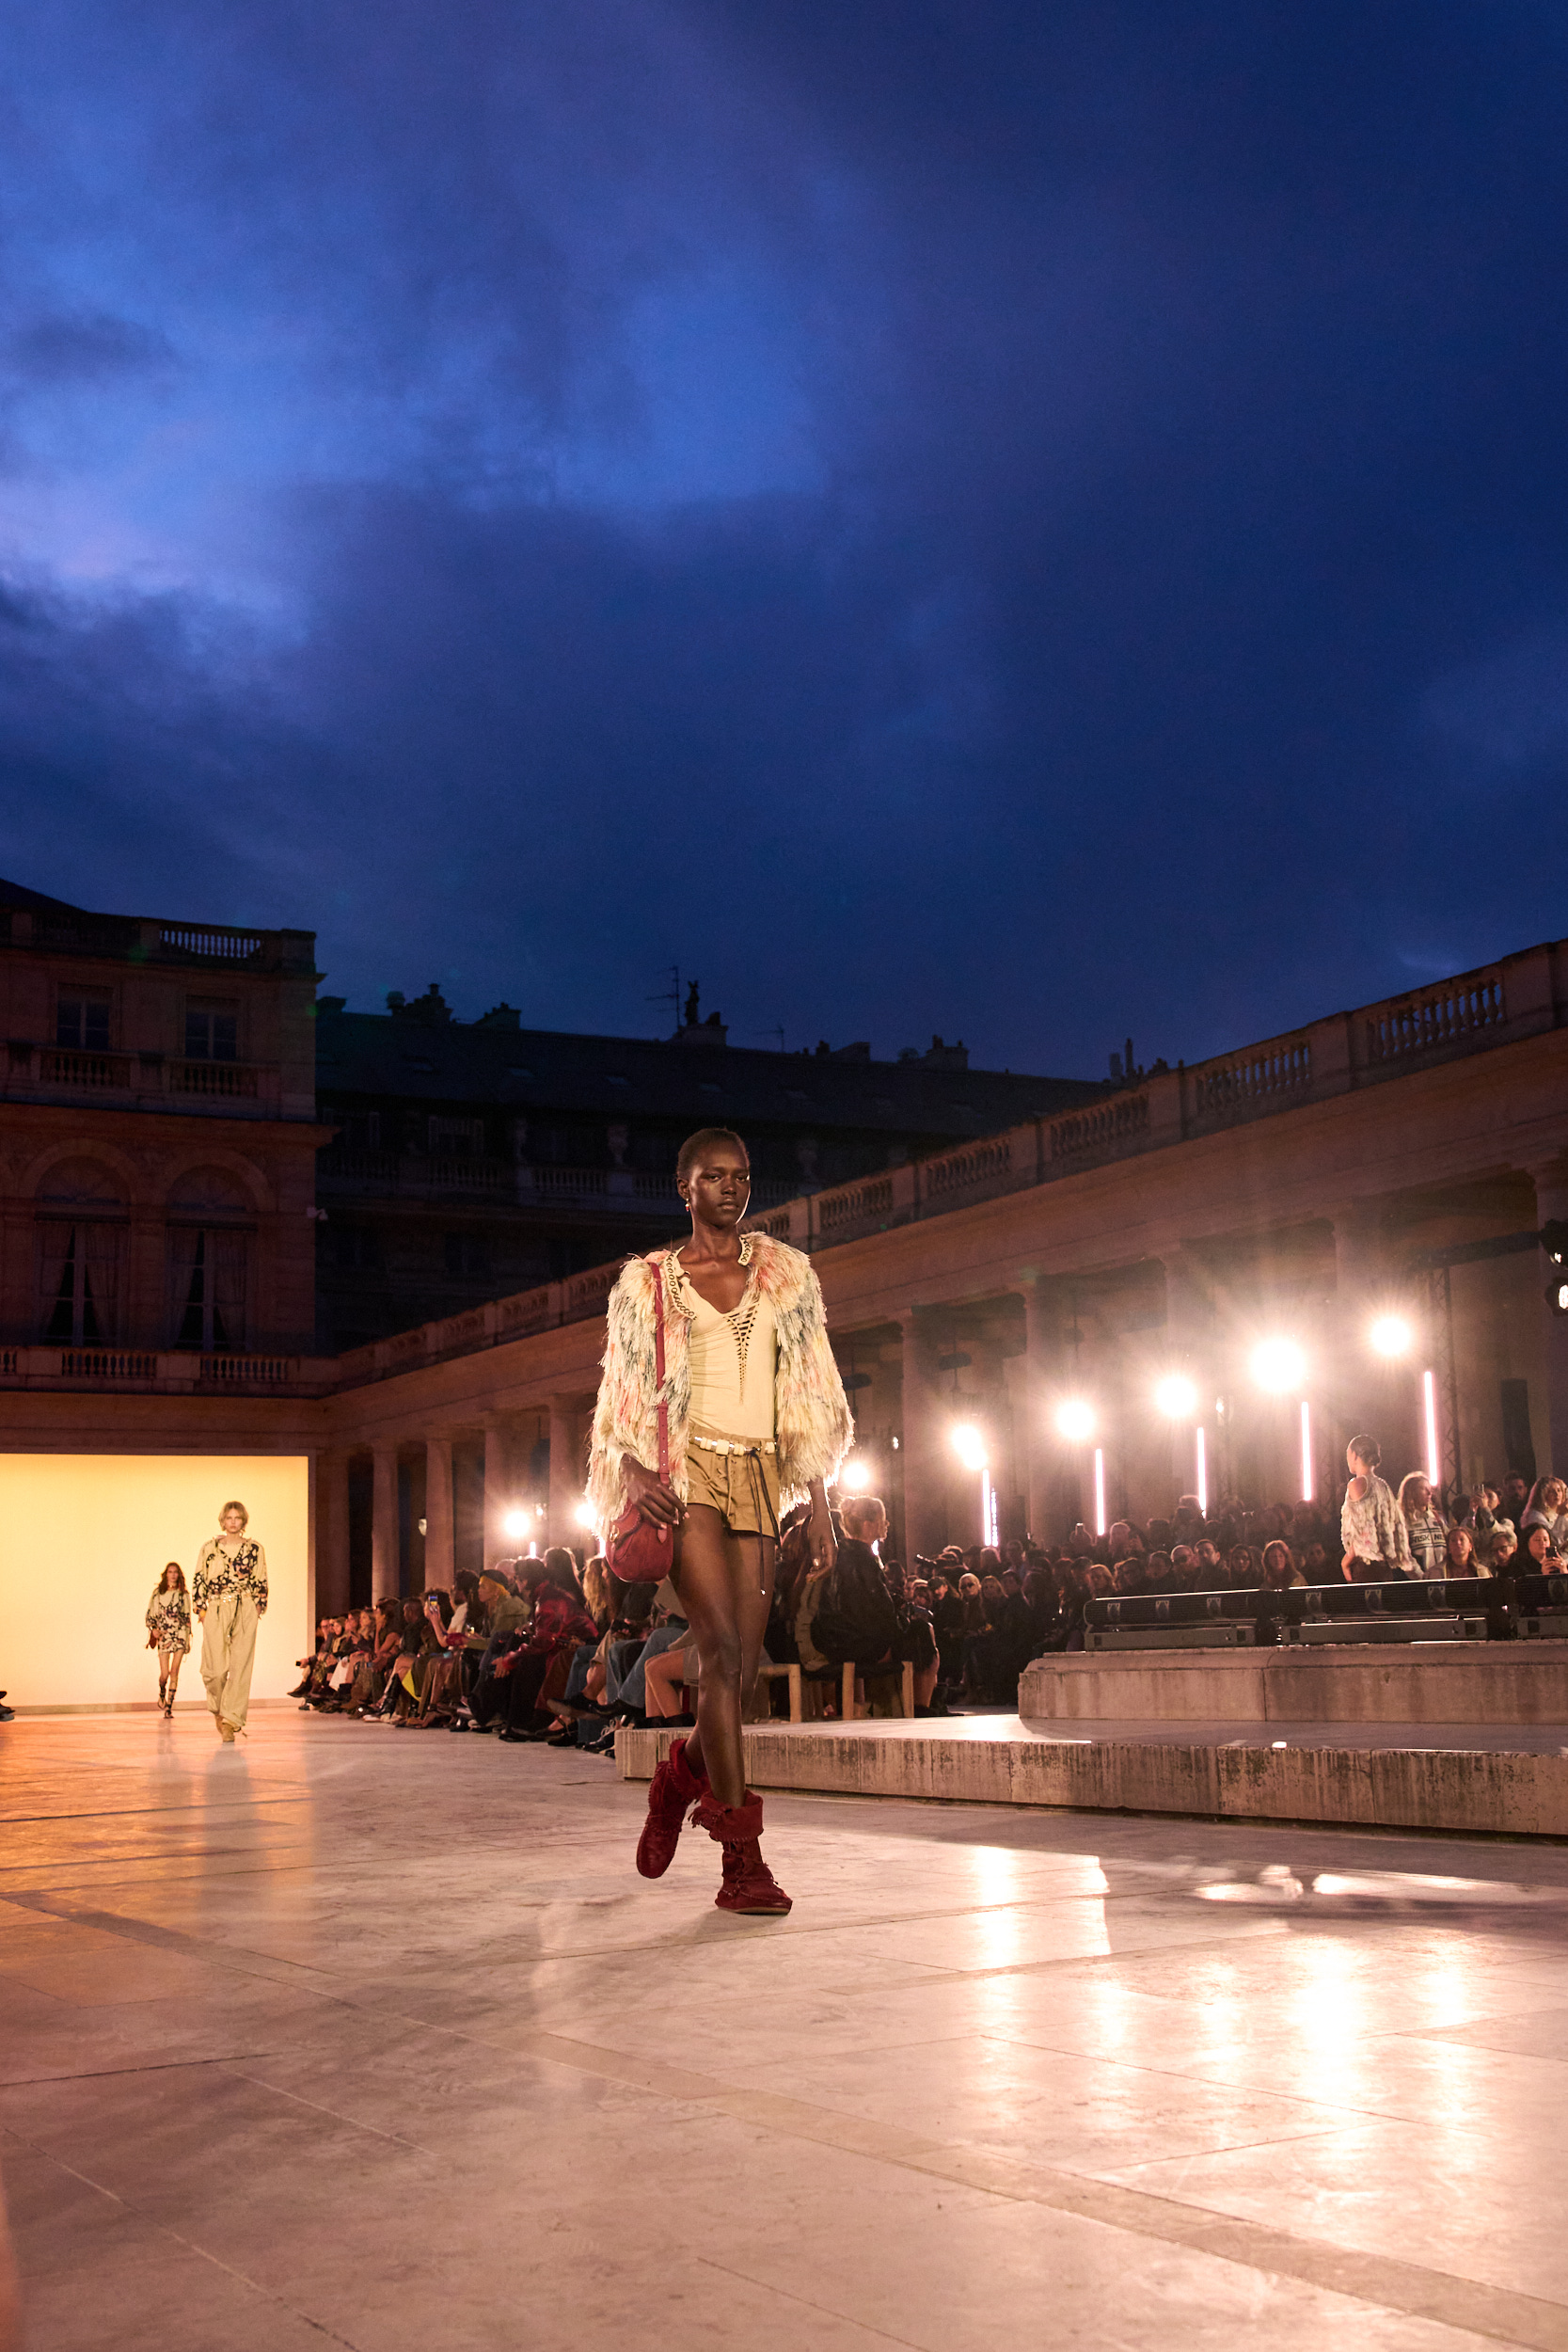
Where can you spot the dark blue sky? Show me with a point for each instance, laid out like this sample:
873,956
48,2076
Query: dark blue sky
1031,521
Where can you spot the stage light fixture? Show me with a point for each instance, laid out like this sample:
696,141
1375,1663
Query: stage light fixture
855,1477
1278,1365
969,1444
1175,1396
1391,1336
1075,1421
1429,1430
515,1522
1308,1482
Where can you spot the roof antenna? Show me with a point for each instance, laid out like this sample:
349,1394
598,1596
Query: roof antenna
670,997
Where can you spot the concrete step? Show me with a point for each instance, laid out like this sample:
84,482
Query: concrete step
1455,1777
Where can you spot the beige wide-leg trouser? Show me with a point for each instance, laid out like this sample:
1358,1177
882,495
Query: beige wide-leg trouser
228,1654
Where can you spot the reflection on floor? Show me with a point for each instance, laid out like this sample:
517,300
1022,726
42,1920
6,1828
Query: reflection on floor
374,2039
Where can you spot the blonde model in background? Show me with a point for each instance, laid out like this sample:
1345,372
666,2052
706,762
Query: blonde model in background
168,1630
231,1597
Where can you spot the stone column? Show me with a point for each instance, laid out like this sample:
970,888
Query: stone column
1358,1391
505,1467
1041,1338
568,1469
1551,1201
332,1563
438,1531
386,1549
1188,1351
923,1437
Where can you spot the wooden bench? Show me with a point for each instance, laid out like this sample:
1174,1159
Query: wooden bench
844,1679
769,1675
852,1710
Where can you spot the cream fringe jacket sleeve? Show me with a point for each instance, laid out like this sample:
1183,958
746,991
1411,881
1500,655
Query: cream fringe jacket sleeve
813,1425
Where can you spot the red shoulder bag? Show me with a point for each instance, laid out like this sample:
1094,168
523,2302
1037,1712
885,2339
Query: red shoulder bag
638,1552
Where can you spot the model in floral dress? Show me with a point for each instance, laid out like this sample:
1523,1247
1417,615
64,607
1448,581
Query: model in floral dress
168,1630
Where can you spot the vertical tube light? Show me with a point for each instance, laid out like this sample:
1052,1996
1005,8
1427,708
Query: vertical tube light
1429,1423
1202,1473
1100,1490
1305,1451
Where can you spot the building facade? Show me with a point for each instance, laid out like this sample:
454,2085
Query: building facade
157,1144
1398,1160
472,1159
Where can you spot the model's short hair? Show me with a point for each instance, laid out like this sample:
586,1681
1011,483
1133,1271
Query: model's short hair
1366,1449
706,1137
234,1506
855,1510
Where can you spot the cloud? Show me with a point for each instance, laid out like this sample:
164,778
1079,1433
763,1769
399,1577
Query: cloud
936,519
84,349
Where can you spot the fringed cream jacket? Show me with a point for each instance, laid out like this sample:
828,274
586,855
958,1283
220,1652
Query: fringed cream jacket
815,1429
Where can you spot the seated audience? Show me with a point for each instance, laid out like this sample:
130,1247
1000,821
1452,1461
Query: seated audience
1459,1556
1537,1557
1279,1567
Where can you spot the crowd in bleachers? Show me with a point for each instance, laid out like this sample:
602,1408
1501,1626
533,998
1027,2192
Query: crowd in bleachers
552,1651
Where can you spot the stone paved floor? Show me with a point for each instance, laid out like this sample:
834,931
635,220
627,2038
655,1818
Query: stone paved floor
374,2039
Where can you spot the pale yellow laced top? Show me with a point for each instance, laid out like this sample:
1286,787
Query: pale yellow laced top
733,1360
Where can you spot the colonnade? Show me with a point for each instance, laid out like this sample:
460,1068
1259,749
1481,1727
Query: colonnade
447,1498
1200,1311
1005,1359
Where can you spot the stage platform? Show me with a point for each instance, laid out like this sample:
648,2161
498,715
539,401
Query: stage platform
1386,1684
1493,1780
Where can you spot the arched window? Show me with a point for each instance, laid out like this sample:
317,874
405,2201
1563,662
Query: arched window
80,1210
208,1261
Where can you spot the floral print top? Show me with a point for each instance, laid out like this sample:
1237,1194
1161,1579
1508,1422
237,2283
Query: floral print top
219,1571
168,1617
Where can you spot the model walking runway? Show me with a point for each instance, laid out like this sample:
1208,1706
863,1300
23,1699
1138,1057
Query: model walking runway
721,1405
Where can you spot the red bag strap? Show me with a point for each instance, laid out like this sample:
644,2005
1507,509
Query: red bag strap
659,1370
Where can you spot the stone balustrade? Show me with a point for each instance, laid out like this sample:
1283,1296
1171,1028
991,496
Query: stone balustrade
168,1372
418,1176
135,1081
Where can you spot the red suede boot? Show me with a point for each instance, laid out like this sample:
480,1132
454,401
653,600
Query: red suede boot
749,1886
673,1786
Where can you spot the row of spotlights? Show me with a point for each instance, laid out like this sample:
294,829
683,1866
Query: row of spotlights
1278,1366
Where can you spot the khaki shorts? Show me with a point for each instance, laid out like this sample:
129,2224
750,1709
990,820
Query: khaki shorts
743,1489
